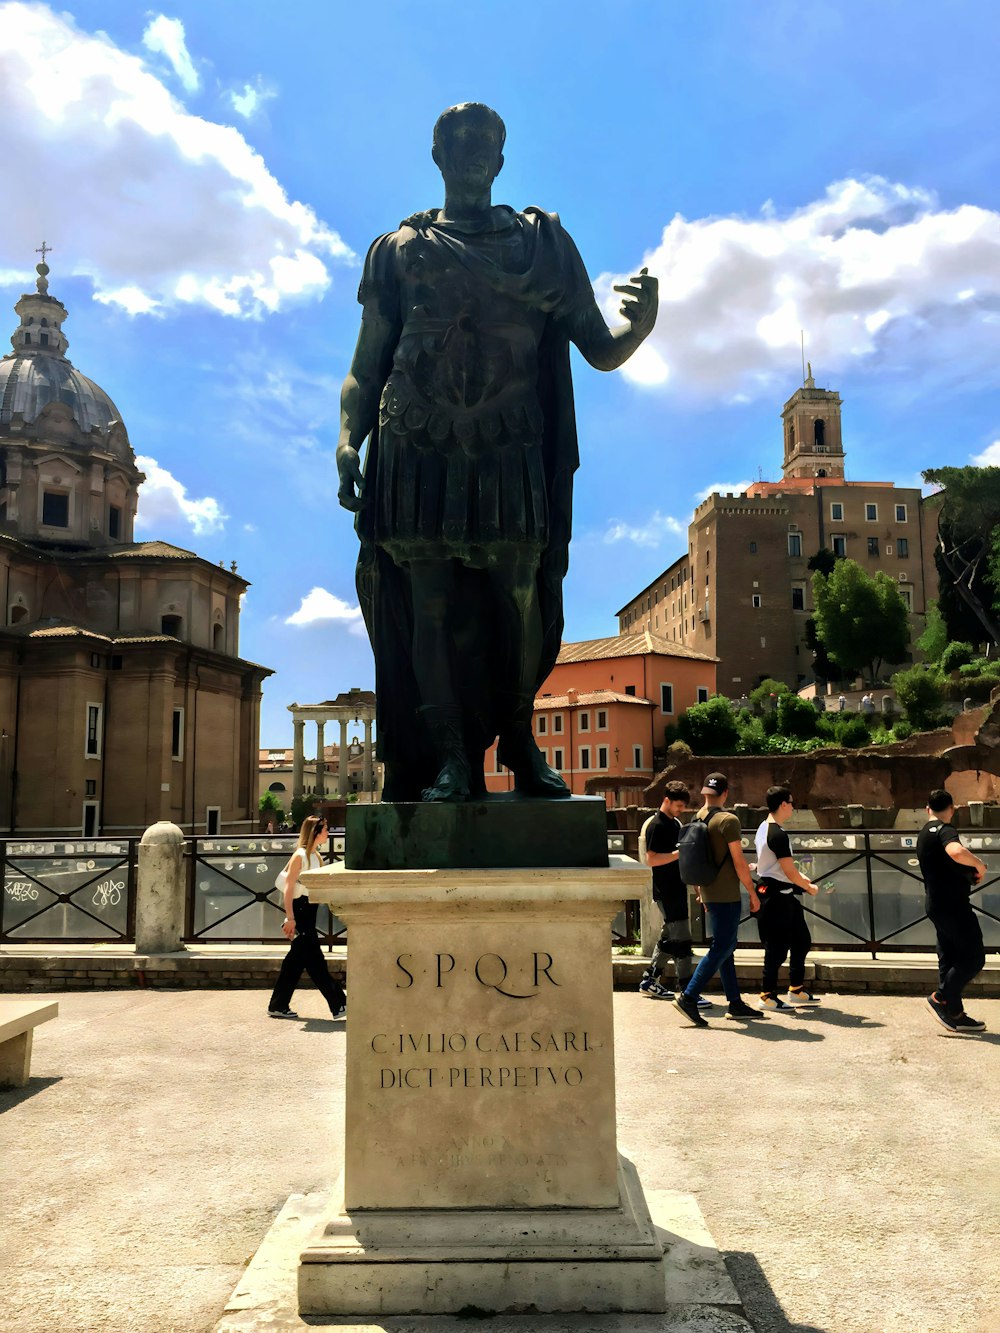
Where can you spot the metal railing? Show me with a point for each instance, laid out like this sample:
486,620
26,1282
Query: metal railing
231,895
871,896
68,890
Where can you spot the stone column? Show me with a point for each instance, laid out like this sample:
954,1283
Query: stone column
342,783
367,782
159,896
320,763
298,757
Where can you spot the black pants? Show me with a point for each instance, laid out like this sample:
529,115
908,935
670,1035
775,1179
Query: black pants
960,951
674,943
306,955
781,923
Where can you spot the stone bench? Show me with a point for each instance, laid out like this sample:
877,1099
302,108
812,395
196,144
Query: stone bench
18,1019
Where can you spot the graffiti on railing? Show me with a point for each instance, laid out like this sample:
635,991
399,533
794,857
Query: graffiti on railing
109,893
20,891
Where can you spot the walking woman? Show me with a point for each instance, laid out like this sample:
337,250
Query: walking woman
299,925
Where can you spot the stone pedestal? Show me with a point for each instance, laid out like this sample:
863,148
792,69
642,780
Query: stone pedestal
481,1166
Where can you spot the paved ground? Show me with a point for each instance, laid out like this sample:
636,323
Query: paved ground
847,1163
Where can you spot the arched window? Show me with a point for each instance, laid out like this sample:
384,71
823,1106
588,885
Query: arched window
819,436
17,614
277,786
27,339
44,323
171,625
219,638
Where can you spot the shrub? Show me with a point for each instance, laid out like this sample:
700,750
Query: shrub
678,752
919,694
981,666
709,728
976,688
752,739
851,731
796,717
760,695
954,656
902,730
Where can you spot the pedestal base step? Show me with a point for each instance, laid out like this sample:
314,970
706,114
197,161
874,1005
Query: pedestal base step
442,1261
696,1292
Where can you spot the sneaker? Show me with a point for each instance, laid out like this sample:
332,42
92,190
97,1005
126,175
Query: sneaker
801,996
775,1002
940,1012
282,1013
738,1009
966,1026
647,980
654,991
689,1008
703,1003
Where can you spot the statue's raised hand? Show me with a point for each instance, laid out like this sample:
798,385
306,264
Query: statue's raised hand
352,483
639,307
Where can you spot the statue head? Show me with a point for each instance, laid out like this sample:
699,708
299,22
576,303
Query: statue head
468,144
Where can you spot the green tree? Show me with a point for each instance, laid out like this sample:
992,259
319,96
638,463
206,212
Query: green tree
968,544
919,694
760,694
823,561
824,667
301,807
796,717
935,637
861,620
709,728
270,805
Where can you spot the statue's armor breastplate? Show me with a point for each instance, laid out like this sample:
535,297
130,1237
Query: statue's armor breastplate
466,365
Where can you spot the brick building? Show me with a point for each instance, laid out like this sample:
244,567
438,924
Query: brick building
601,714
743,590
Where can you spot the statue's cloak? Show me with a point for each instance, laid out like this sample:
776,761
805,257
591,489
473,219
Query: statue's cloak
554,282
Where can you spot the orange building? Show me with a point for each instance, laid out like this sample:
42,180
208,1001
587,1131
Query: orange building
601,714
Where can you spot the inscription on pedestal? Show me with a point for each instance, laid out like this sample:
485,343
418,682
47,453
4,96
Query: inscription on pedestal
480,1067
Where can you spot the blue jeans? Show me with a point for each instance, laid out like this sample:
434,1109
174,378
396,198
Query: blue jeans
725,922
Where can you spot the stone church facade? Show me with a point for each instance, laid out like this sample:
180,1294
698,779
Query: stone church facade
123,698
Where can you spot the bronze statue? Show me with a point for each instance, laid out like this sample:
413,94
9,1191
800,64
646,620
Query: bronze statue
461,384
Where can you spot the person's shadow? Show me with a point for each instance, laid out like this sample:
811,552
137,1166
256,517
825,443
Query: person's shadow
765,1029
836,1017
323,1025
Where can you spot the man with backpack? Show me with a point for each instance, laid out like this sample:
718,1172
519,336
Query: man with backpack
711,858
671,897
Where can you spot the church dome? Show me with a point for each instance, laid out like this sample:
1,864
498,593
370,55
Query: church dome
38,375
29,383
68,475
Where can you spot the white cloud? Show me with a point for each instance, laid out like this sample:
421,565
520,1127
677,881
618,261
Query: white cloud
249,100
721,488
650,533
876,273
990,457
320,605
165,37
167,208
164,502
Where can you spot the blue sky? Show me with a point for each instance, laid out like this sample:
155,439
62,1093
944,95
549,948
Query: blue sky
210,177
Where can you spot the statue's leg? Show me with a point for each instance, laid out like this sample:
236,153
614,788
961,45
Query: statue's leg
515,588
432,584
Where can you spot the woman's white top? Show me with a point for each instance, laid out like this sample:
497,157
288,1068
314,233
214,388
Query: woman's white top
315,863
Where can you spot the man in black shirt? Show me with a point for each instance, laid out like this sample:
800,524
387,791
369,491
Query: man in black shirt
671,896
949,872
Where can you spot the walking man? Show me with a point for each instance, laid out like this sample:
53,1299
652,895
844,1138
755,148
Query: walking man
781,920
949,872
721,895
671,897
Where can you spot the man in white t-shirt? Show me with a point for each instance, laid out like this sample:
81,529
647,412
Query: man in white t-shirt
781,921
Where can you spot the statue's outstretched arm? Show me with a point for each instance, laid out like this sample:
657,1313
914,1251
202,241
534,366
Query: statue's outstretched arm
607,349
359,400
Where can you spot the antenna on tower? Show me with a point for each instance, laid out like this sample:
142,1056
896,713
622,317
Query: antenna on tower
802,341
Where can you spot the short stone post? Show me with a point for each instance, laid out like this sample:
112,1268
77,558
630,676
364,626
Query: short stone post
855,816
159,899
976,814
888,705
